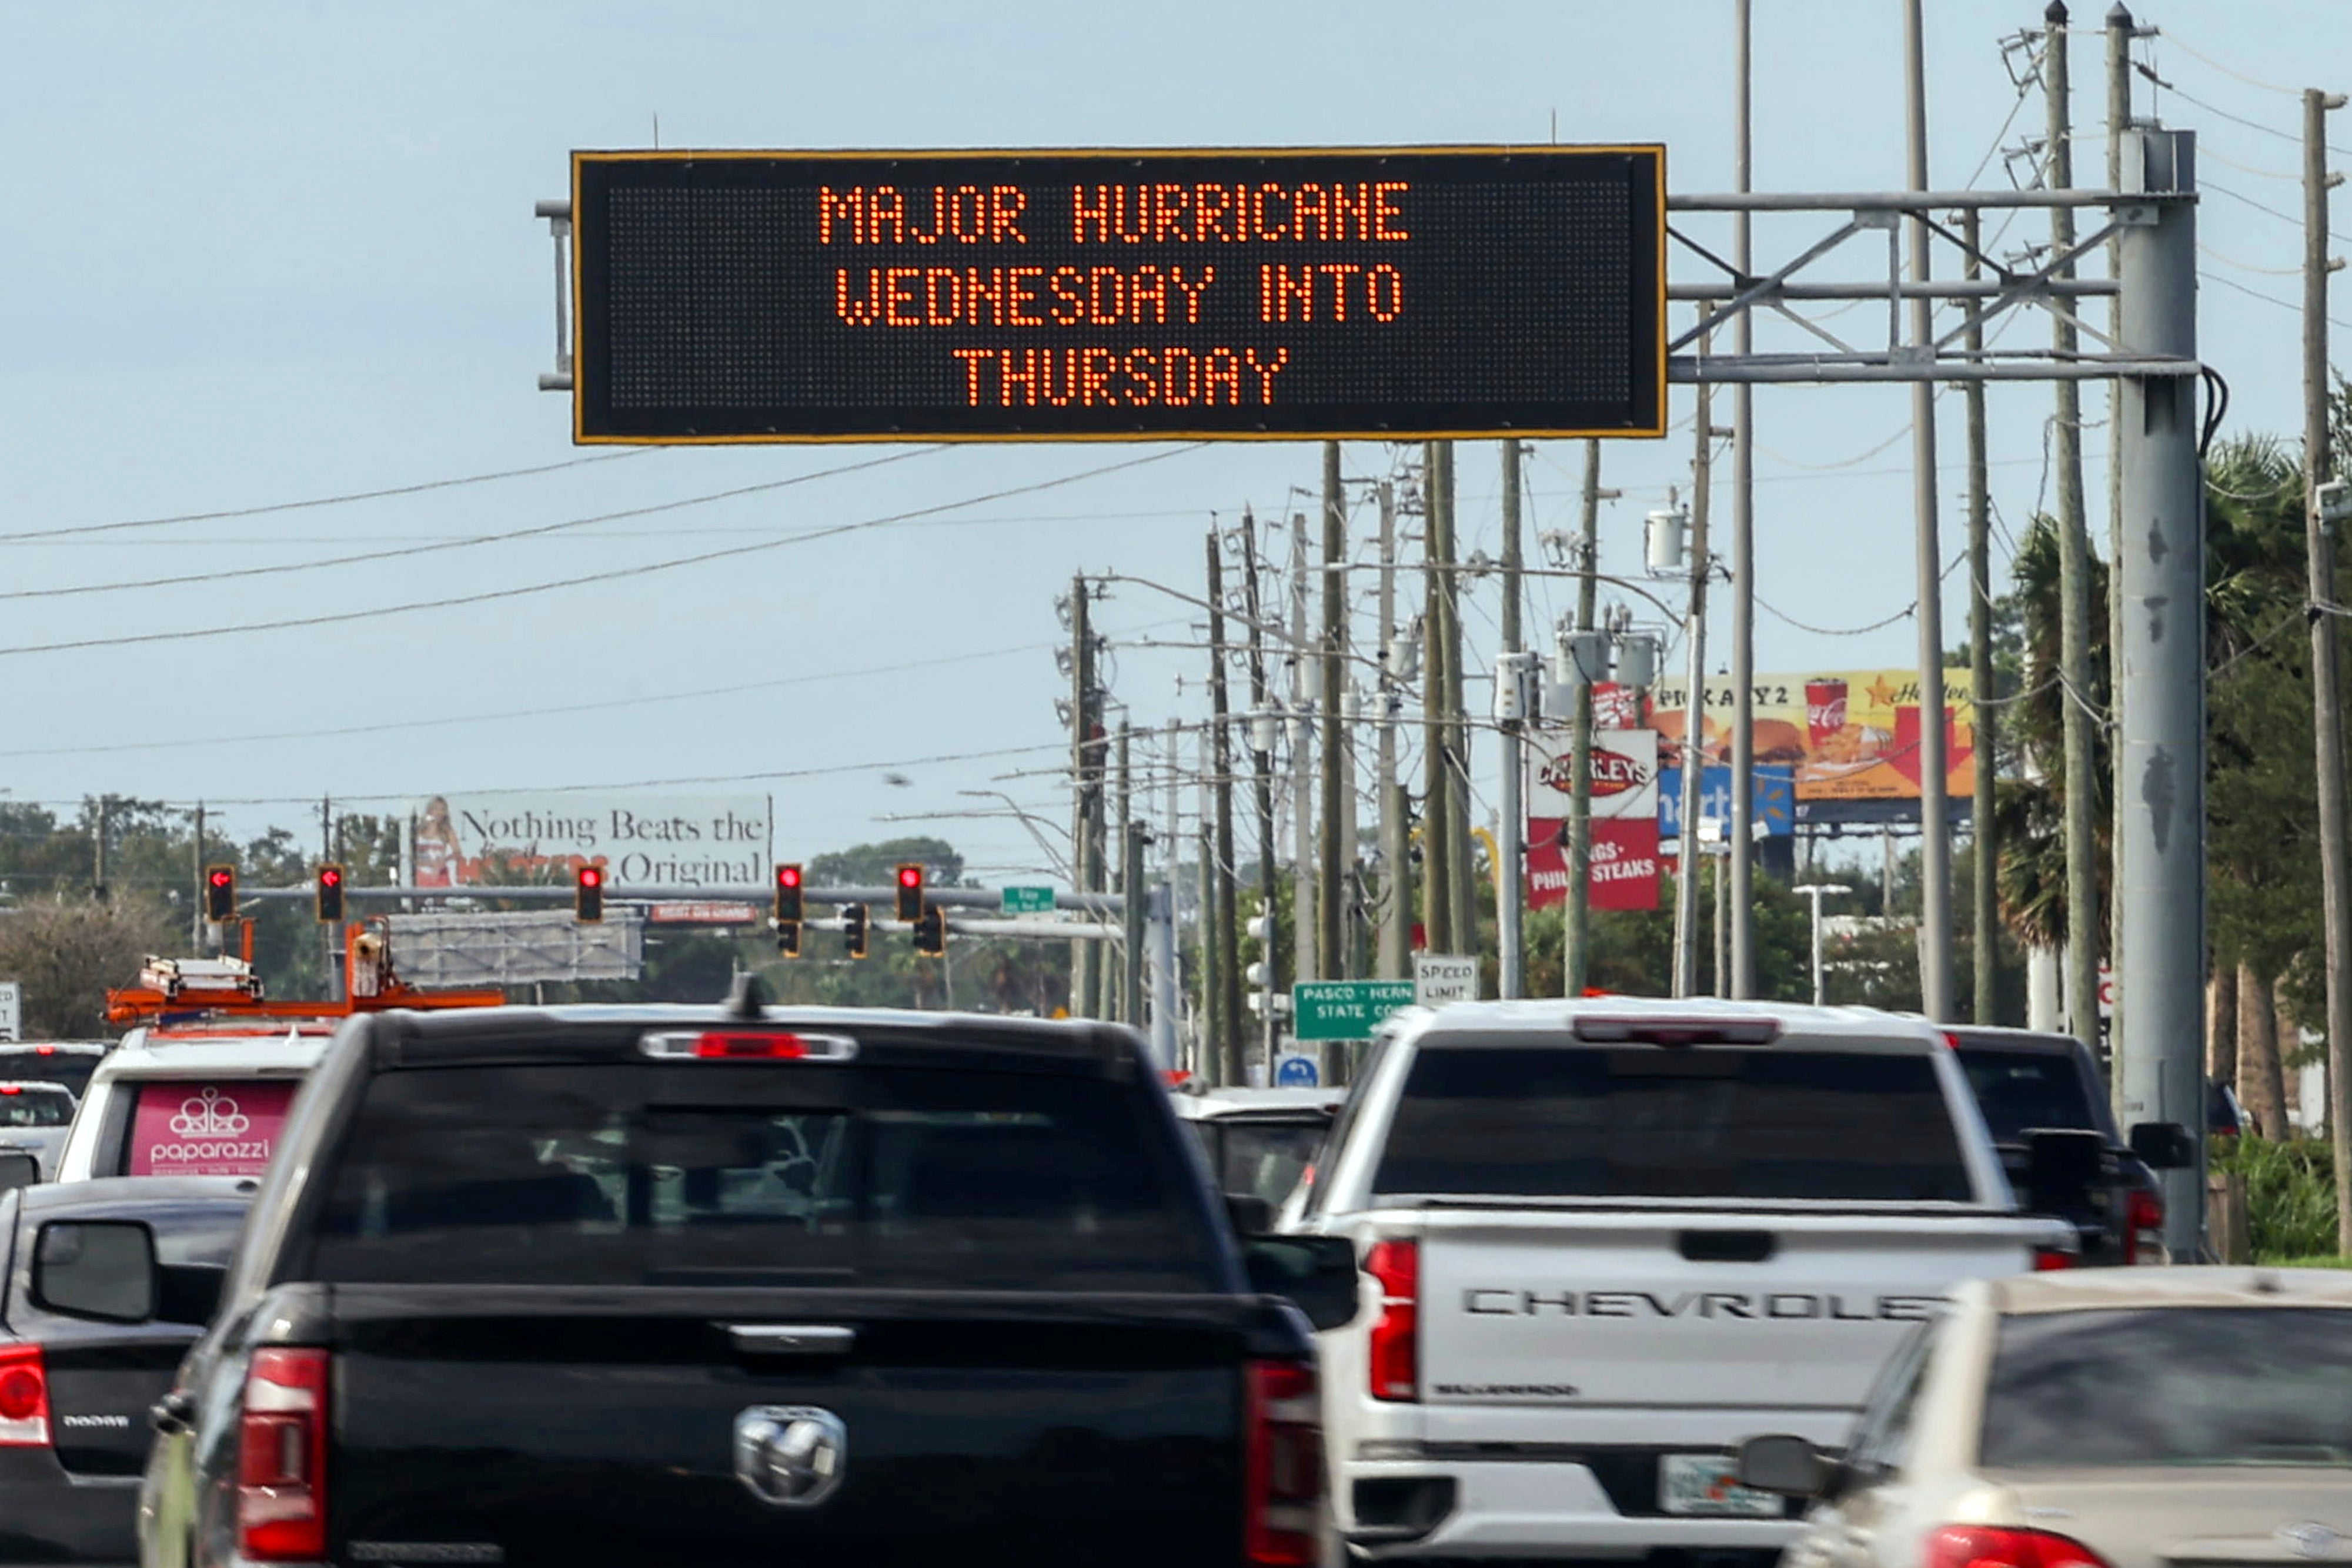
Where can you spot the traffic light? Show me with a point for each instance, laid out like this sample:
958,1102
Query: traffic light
855,917
931,933
220,894
788,938
911,892
788,894
329,892
588,895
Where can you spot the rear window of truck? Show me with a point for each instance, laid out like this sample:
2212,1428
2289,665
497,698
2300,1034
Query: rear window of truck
758,1175
2021,1091
1646,1122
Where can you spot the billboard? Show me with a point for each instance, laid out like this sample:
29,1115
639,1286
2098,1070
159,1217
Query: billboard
1776,802
1848,735
1623,873
1115,293
663,841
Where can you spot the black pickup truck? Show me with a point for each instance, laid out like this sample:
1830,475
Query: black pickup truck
580,1286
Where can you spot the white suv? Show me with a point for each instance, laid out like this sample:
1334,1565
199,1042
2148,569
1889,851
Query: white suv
192,1100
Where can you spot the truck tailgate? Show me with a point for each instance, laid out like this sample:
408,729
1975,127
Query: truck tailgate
1785,1308
1010,1428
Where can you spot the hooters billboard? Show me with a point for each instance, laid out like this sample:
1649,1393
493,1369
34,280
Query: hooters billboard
1624,868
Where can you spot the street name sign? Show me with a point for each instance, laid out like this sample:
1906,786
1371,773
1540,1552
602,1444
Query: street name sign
1028,901
1441,977
1344,1009
1109,294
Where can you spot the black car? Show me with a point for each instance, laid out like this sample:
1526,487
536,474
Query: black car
108,1282
2028,1082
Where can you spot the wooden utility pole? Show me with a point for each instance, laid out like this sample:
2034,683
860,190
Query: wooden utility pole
1223,910
1332,852
1576,947
1086,789
1262,757
2326,712
1394,949
1436,827
1462,914
1984,904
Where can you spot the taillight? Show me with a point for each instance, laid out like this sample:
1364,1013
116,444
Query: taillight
24,1397
748,1045
1995,1546
282,1494
2047,1258
1285,1465
2143,1225
1393,1360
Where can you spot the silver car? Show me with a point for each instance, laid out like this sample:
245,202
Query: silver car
34,1116
2123,1419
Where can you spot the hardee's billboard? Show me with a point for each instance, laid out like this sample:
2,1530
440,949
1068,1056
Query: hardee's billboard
1850,735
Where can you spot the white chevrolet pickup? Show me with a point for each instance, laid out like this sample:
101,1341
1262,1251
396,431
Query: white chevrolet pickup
1604,1241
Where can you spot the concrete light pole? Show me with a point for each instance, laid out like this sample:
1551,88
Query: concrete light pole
1815,891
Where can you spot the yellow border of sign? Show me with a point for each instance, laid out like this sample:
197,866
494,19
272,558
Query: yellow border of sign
580,438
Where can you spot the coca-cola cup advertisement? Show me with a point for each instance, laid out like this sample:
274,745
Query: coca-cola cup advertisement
1824,711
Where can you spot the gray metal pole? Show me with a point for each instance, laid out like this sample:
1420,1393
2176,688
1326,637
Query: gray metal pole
1160,940
2328,712
1394,955
1436,830
1694,758
1985,908
1514,554
2084,909
1331,903
1261,697
1935,823
1741,864
1511,839
1224,915
1576,947
1132,886
1308,711
2121,30
2160,755
1820,988
1460,864
1117,992
1084,761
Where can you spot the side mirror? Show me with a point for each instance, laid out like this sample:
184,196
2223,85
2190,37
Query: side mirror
102,1269
2164,1145
1316,1273
18,1169
1790,1466
2062,1169
1251,1214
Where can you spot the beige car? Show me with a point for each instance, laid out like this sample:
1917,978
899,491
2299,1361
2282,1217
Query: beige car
2122,1418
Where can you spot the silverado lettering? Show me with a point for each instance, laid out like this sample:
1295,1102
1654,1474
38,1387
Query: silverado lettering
1768,1306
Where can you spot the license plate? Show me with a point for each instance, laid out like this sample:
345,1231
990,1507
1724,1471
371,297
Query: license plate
1708,1484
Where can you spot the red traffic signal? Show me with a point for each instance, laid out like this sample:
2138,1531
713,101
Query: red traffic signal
788,892
220,894
330,893
588,895
911,892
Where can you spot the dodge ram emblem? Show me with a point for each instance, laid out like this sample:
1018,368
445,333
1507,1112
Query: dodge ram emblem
791,1455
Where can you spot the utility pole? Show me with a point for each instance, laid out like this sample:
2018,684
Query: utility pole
1085,764
1462,912
2326,708
1332,908
1395,946
1935,822
1985,911
1115,995
1223,910
1262,724
1741,862
1436,825
1307,719
2084,907
1576,945
1130,880
2121,30
1511,691
196,886
1514,556
1693,760
105,826
2160,730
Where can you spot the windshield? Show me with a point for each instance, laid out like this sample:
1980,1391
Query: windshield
2171,1385
22,1107
45,1064
752,1175
2019,1090
1644,1122
1263,1159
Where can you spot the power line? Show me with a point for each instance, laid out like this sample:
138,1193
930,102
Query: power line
340,500
467,542
2286,218
2248,266
2174,38
2265,298
493,595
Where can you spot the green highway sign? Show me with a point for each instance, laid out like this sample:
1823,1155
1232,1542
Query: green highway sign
1028,901
1346,1009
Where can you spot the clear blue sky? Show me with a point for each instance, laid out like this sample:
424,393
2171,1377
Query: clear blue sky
282,249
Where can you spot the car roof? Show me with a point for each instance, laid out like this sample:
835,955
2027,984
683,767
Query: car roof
52,1047
145,1053
126,1192
1862,1028
1238,1104
2032,1040
42,1085
2185,1285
